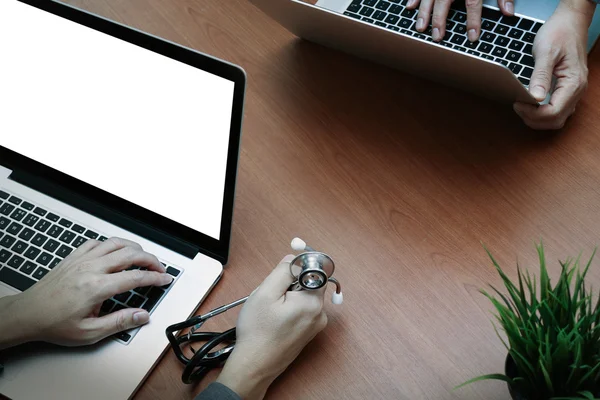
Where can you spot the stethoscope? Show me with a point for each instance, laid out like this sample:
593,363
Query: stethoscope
311,270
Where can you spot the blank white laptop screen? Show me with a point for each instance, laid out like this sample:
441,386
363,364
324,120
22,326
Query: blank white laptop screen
139,125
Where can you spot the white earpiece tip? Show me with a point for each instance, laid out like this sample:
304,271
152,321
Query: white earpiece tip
337,298
298,244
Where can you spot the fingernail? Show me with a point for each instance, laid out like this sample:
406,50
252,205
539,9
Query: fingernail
420,24
141,317
538,92
436,34
510,8
472,35
410,3
166,278
287,259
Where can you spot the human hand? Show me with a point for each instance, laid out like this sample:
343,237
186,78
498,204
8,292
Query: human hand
272,329
63,308
440,10
559,50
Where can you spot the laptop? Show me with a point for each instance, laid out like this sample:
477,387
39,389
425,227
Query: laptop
108,131
498,66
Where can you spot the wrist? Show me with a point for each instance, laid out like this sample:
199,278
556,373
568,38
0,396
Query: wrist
244,379
583,8
15,329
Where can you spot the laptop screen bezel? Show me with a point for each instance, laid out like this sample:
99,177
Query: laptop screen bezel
218,249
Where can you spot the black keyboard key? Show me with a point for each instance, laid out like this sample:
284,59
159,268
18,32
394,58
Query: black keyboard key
142,290
67,237
78,228
447,36
55,262
379,16
475,53
55,231
51,246
510,21
39,239
4,222
499,52
513,56
528,60
460,49
488,37
64,251
44,259
369,2
31,219
501,29
40,273
529,37
528,49
155,293
405,23
53,217
536,27
394,28
42,226
32,253
122,297
106,307
18,214
7,241
14,228
124,336
28,206
458,39
502,41
421,36
408,13
6,209
383,5
40,211
461,29
349,14
4,255
516,45
526,73
26,234
489,13
487,57
515,68
135,301
4,195
525,24
79,241
396,10
65,222
15,279
91,234
524,81
379,23
15,200
118,307
28,267
515,33
354,7
19,247
487,25
471,45
450,25
460,17
367,11
392,19
102,238
173,271
485,47
16,261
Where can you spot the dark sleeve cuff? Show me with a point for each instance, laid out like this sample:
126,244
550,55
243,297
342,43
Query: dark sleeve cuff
217,391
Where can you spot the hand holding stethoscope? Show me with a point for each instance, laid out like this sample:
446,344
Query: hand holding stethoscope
308,271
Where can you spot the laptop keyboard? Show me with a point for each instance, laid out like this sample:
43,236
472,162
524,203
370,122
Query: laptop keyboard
33,241
505,40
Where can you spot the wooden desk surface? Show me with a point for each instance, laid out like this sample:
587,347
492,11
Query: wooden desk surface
400,180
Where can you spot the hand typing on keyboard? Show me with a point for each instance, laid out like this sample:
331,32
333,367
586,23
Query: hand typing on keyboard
560,51
440,10
64,307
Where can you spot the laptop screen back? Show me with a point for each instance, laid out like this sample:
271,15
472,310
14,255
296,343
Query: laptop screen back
139,125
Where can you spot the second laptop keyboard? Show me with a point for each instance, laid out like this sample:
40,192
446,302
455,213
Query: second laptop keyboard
505,40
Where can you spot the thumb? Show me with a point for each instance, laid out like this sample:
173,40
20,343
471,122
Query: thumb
119,321
541,79
279,280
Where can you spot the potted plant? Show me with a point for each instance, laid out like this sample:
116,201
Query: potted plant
552,332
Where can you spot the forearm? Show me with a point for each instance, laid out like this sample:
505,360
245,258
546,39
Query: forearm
244,379
13,329
584,8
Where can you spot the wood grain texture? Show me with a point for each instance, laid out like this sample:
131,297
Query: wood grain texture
400,180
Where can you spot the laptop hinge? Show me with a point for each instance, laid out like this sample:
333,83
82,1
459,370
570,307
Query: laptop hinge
98,210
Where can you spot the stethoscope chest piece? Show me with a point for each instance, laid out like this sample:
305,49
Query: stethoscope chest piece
312,269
